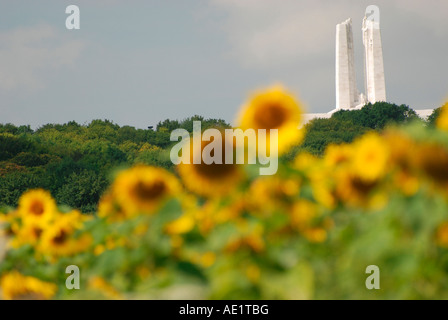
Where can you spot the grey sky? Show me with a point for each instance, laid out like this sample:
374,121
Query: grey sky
138,62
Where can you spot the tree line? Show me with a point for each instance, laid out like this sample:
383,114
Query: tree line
75,162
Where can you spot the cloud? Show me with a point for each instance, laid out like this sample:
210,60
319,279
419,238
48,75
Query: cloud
430,14
270,33
28,54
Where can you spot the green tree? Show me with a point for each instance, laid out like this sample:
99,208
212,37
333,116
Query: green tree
82,190
187,123
14,184
168,124
11,145
433,116
322,132
378,115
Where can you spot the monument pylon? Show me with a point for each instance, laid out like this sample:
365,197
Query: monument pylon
375,84
347,93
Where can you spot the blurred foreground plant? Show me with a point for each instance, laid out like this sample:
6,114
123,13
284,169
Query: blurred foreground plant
308,232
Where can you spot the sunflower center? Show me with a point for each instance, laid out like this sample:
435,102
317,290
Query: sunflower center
37,208
271,116
150,191
362,186
37,232
60,238
435,164
215,170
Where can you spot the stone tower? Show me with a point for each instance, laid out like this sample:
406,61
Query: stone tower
347,94
374,81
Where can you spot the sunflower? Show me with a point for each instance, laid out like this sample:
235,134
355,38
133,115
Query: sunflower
402,149
406,182
277,194
37,207
432,159
370,158
354,191
315,235
16,286
306,218
205,215
213,179
9,224
184,224
305,161
109,208
142,189
402,161
274,108
58,238
27,234
338,154
250,237
442,235
302,214
104,288
318,172
323,187
442,119
216,211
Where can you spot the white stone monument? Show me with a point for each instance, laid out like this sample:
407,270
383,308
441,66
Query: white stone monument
347,94
375,84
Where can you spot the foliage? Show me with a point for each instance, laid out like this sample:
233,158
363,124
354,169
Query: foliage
187,124
322,132
345,125
82,190
357,192
54,156
307,232
433,116
64,150
378,115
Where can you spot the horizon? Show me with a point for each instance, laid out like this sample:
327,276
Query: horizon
154,127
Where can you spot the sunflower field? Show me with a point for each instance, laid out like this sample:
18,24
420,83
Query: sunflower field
222,231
